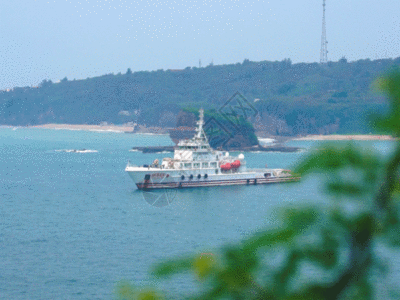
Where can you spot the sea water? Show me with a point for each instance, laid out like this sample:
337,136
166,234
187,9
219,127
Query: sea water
73,224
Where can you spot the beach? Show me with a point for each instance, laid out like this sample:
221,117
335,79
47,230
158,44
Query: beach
142,129
110,128
345,137
105,128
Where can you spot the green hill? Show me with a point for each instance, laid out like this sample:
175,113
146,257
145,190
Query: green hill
291,99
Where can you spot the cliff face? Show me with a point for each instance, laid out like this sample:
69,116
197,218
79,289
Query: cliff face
221,133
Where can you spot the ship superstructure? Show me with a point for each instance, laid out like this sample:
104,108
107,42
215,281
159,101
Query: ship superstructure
196,164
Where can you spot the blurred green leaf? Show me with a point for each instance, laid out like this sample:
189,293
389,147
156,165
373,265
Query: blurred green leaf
300,218
327,253
392,236
237,258
204,265
149,294
296,220
341,188
125,291
287,272
389,85
173,266
359,290
363,228
312,293
235,278
268,238
336,216
327,159
333,158
327,258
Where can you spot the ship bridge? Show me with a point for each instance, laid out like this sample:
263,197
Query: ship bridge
196,148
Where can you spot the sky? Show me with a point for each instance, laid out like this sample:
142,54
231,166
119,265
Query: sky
50,40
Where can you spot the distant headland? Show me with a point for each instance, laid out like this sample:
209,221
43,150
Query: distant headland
288,100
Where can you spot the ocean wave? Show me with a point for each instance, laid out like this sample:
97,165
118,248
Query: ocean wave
77,151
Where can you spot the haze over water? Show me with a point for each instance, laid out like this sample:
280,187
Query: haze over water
73,224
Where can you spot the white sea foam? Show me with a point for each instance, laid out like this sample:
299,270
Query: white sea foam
86,151
266,141
77,151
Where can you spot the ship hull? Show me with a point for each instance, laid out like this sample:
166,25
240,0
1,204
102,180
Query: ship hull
209,183
161,179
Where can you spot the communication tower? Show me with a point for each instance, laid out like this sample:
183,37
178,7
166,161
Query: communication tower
324,42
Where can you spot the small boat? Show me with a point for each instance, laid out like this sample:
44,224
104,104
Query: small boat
196,164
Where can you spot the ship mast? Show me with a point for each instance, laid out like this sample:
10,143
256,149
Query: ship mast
200,123
200,134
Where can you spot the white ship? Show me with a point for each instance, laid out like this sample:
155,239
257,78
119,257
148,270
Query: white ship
196,164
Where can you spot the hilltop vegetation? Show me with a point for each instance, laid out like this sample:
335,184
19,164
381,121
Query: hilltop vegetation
291,99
